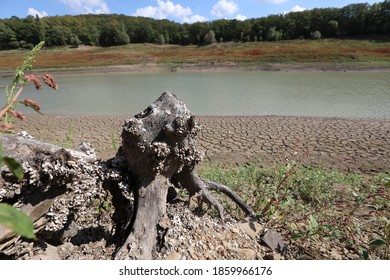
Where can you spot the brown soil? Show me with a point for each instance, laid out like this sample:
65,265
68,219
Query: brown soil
359,145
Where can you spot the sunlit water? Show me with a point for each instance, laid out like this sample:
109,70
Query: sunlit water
323,94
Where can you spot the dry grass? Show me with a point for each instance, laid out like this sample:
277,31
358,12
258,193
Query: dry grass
347,52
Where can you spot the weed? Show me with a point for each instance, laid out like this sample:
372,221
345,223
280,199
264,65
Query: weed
69,137
11,217
311,204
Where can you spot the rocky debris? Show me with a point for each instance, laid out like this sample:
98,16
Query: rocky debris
49,253
251,227
274,241
195,235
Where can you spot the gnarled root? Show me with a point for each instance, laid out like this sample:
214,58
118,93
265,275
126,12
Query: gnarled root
190,180
231,194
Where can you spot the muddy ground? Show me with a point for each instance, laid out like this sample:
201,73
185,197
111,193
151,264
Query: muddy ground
347,144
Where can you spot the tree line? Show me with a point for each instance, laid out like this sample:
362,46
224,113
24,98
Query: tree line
113,29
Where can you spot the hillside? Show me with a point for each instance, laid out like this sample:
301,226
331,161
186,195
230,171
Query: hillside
324,53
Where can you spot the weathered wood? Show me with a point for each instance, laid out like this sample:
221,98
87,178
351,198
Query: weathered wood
21,148
49,174
159,147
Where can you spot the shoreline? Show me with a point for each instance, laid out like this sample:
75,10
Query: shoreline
361,145
205,67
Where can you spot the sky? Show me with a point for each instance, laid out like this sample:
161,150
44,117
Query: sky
176,10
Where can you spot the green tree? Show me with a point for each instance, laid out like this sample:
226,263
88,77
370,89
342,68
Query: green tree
273,34
121,38
108,30
315,35
197,31
353,19
40,30
7,38
120,35
56,36
382,18
113,33
74,41
332,27
209,38
166,37
106,36
161,39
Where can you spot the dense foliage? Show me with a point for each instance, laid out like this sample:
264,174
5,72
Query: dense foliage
109,30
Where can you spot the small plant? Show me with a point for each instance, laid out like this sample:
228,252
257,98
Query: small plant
11,217
16,220
69,137
13,92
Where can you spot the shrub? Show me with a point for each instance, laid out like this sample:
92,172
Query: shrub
209,38
316,35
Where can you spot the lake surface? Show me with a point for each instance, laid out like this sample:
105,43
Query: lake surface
323,94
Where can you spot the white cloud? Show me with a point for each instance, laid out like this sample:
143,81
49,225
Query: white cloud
297,8
164,10
33,12
224,8
88,6
194,18
241,17
168,8
148,11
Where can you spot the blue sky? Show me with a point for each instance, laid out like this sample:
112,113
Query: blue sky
177,10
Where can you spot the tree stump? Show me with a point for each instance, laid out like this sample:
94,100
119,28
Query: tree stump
159,147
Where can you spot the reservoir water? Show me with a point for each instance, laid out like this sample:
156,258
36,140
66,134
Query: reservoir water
322,94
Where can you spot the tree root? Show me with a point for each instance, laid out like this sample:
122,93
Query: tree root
232,195
194,184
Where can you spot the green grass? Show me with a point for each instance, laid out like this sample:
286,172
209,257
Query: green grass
69,138
348,210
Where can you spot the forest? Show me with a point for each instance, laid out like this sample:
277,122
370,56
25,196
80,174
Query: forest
113,29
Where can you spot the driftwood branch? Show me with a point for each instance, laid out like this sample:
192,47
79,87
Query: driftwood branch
21,148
